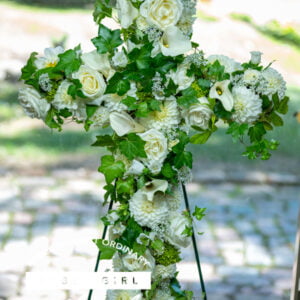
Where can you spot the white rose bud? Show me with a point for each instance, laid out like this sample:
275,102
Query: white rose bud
32,103
162,13
122,123
98,62
93,84
136,168
180,78
198,114
177,224
256,57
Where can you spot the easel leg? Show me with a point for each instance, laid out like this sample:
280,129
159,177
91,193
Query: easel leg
295,295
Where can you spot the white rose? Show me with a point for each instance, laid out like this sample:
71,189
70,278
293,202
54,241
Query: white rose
162,13
93,84
112,217
256,57
120,59
62,99
177,224
32,103
122,123
180,77
198,114
156,148
50,59
126,13
98,62
134,264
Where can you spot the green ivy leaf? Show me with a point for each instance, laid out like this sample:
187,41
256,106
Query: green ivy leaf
283,106
107,40
118,85
201,138
141,56
69,62
107,252
102,10
188,98
130,102
74,89
133,146
168,171
104,141
183,141
129,236
29,68
199,213
217,71
126,186
256,132
276,119
184,158
90,110
110,168
237,130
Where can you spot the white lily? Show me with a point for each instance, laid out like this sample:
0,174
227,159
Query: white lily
221,92
122,123
154,186
174,42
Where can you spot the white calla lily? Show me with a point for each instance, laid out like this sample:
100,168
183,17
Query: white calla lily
127,13
174,42
221,92
154,186
122,123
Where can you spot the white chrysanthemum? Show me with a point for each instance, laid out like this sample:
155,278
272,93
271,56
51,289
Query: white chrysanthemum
251,77
274,83
100,117
62,99
230,64
165,119
33,104
247,105
162,295
148,213
50,59
174,200
124,295
164,272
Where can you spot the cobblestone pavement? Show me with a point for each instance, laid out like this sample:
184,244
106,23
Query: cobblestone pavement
47,224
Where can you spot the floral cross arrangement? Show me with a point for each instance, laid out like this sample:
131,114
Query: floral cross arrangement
158,92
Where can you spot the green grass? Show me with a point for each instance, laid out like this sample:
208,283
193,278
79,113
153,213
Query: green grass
203,16
46,8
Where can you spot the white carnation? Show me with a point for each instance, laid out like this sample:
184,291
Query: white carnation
33,104
101,117
50,59
115,231
177,224
163,120
120,59
198,114
247,105
162,13
62,99
164,272
230,64
252,77
124,295
148,213
274,83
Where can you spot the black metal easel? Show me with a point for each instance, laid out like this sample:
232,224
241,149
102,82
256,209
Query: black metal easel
186,200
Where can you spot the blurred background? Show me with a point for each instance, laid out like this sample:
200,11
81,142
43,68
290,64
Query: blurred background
51,195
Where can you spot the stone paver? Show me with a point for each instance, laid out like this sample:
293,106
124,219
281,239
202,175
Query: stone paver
246,249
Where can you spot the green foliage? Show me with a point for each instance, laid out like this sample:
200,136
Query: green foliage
107,252
69,61
29,69
182,157
132,146
74,89
131,233
126,186
110,168
118,84
201,138
261,149
237,130
216,72
199,213
102,10
107,40
188,98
